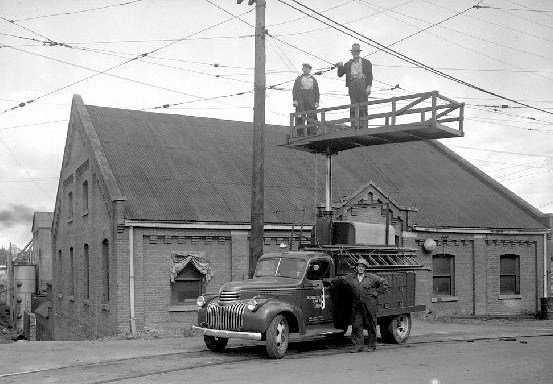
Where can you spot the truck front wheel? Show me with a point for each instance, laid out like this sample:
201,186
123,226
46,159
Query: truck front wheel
396,329
277,337
215,344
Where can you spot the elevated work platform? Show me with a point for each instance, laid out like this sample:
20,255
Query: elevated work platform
326,131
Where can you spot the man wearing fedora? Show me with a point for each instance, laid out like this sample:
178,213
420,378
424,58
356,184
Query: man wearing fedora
359,79
364,289
305,95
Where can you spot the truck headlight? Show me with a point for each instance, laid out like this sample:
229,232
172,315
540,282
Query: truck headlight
200,301
252,304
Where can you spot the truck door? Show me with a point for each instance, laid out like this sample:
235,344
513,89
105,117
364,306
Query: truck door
317,305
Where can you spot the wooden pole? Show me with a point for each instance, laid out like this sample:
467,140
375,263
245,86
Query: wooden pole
257,218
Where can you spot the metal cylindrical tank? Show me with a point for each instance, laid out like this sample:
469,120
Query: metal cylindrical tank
24,277
24,286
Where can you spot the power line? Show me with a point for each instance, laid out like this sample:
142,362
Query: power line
81,11
31,178
33,124
503,152
352,33
440,4
23,104
430,26
103,72
513,9
464,34
27,29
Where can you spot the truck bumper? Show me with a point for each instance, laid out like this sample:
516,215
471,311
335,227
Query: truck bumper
228,334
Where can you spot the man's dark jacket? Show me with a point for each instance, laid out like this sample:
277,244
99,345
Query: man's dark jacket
367,69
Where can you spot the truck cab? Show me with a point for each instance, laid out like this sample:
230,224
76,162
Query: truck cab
286,295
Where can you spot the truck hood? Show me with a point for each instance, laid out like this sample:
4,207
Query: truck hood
261,284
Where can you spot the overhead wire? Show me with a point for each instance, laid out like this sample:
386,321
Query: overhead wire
472,16
501,151
79,11
352,33
461,33
23,104
24,169
33,124
107,73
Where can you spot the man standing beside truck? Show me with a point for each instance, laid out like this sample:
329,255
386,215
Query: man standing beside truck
364,288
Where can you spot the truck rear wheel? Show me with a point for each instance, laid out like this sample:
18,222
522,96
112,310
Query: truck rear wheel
277,337
396,329
215,344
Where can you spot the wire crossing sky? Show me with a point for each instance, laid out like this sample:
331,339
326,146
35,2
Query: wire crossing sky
196,57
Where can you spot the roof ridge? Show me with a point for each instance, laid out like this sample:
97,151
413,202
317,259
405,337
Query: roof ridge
483,176
98,153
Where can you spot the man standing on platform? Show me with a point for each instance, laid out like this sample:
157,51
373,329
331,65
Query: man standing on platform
359,79
305,96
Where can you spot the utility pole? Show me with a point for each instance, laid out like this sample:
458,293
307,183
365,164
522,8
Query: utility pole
258,152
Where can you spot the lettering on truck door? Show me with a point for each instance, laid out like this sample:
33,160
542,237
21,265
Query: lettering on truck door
317,305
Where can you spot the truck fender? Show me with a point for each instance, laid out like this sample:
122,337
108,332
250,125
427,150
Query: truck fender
270,309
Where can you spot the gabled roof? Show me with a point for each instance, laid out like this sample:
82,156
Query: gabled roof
42,220
182,168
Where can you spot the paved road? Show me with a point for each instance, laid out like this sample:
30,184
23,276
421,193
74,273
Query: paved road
507,360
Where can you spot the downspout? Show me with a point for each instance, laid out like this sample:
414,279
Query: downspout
545,288
132,323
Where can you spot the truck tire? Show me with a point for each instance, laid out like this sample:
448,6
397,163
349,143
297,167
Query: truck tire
396,329
277,337
215,344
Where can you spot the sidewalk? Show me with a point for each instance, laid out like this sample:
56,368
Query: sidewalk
29,356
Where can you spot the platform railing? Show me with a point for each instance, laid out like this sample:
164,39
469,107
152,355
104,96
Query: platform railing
442,110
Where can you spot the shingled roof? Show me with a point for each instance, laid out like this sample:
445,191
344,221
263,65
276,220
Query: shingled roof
182,168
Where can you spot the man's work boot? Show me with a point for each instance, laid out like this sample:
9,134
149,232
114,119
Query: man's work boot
356,349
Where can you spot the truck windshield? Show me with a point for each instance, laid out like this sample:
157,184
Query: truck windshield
281,267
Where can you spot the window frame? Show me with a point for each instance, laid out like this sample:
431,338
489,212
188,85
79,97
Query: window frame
72,271
451,275
86,278
85,197
188,274
70,202
516,274
105,271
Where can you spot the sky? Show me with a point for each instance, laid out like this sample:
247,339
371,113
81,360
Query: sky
53,49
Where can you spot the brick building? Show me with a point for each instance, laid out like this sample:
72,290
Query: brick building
141,192
41,255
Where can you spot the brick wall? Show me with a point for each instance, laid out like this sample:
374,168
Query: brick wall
227,252
477,274
75,316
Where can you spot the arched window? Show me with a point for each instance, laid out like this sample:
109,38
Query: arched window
71,272
509,275
443,275
86,271
105,271
70,206
85,197
60,270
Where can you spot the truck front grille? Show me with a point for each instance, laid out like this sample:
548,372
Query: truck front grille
226,296
228,317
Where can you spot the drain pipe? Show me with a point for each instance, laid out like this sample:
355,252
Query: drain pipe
545,285
132,322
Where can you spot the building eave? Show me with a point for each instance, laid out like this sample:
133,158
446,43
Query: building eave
210,225
484,231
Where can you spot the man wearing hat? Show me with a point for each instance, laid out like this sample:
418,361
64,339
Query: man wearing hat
364,288
305,95
359,79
